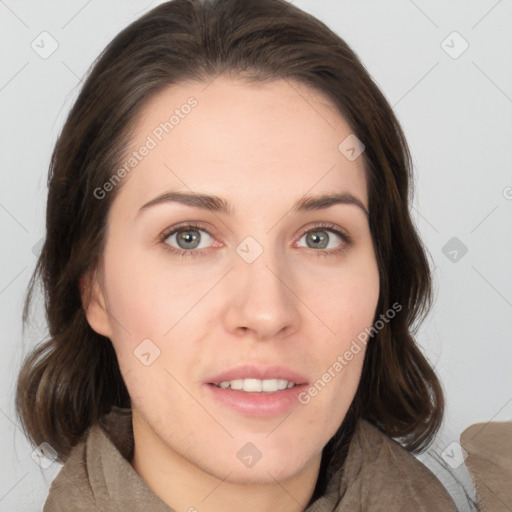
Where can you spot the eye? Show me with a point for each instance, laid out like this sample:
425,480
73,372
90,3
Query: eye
187,240
324,243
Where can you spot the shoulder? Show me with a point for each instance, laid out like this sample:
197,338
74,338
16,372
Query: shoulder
380,474
487,449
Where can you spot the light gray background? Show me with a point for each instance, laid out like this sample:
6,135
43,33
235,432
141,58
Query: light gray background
456,113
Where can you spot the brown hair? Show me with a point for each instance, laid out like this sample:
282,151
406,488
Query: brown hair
68,382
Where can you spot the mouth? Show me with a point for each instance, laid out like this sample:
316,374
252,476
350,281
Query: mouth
263,386
256,390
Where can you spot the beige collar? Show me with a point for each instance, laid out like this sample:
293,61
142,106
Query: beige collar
378,475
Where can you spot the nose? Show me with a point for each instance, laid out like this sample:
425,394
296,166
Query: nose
262,304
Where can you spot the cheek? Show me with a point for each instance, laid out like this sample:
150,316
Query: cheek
344,295
339,358
147,296
156,317
347,306
359,289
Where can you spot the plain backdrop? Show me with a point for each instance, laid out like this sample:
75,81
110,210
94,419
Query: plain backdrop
452,93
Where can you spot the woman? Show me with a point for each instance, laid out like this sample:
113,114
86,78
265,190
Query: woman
232,278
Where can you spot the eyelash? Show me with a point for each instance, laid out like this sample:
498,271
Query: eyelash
199,252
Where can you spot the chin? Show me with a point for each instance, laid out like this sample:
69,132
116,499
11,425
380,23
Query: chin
261,473
266,466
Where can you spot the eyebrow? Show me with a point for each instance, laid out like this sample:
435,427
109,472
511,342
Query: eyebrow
220,205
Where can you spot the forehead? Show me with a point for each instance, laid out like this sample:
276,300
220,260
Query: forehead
240,141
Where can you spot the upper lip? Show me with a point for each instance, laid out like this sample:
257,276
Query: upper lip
250,371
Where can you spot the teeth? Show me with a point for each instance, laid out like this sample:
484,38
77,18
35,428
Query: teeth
257,385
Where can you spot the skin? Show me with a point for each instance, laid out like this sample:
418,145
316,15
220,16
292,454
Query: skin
260,146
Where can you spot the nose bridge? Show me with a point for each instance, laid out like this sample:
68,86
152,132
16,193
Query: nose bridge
261,295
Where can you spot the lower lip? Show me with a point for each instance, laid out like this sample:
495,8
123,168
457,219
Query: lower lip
258,404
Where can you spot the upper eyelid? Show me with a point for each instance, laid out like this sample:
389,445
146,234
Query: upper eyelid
182,227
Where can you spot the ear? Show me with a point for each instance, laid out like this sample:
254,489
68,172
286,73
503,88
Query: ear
93,303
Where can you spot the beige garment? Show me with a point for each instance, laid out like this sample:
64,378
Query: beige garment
379,475
489,461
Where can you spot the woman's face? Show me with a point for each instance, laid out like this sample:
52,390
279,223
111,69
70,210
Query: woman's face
261,287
